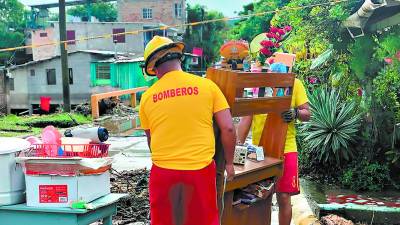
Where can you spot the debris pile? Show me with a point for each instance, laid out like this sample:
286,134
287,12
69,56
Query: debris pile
123,110
84,108
335,220
135,207
109,106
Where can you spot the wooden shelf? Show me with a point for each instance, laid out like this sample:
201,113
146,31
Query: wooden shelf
253,172
232,85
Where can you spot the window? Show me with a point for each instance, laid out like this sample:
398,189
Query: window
103,71
147,13
178,10
119,38
43,34
71,76
71,37
11,83
32,73
51,76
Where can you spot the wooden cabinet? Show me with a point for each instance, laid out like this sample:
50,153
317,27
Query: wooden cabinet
232,84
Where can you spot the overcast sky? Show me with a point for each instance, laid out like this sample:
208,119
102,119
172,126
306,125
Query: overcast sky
228,7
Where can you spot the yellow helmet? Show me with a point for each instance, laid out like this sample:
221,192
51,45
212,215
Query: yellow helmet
159,48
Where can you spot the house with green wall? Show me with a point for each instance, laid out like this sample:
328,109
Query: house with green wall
120,73
126,73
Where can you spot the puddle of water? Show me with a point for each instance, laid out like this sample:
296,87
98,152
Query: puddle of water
323,194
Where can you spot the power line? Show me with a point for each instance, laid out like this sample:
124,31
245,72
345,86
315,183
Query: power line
162,28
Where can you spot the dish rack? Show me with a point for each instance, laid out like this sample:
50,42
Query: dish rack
68,150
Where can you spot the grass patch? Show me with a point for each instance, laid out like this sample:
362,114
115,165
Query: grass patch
62,120
12,125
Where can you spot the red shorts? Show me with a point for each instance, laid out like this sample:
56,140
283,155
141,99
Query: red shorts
183,197
289,182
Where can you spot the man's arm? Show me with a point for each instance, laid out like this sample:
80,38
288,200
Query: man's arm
301,113
244,128
148,135
228,138
304,112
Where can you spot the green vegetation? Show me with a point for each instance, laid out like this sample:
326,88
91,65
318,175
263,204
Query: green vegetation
103,11
356,123
209,36
248,28
12,25
332,127
366,176
13,125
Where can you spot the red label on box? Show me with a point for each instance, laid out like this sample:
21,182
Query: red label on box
53,193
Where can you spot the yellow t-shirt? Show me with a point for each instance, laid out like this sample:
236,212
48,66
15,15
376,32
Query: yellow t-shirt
299,98
178,110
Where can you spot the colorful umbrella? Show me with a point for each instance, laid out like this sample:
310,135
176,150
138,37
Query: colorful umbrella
234,50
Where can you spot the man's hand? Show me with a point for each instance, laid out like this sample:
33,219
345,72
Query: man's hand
290,115
230,172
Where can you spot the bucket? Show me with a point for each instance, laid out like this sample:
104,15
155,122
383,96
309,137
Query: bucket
12,185
45,103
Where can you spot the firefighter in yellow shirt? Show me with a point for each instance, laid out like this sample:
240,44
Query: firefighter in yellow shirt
288,184
177,115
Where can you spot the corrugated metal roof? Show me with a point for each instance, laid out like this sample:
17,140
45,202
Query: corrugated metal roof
98,52
122,60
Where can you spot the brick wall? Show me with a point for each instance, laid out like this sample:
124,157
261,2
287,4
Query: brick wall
163,11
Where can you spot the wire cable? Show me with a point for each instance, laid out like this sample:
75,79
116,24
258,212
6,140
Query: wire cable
135,32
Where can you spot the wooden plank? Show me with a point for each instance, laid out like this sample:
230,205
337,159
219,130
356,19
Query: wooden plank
133,100
228,201
226,81
253,106
251,166
119,93
230,87
273,137
94,99
94,102
251,80
210,74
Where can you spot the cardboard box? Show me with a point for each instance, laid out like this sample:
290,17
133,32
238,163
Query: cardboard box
61,191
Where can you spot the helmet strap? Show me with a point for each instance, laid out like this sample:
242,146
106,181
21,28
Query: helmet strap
168,57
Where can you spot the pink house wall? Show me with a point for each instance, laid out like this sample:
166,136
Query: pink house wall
43,36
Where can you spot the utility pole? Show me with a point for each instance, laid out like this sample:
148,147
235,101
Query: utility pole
201,38
64,56
89,10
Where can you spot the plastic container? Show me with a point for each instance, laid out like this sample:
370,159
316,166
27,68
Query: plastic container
45,103
52,138
95,134
12,183
246,65
75,145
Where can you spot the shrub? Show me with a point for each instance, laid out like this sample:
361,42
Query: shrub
366,176
332,127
